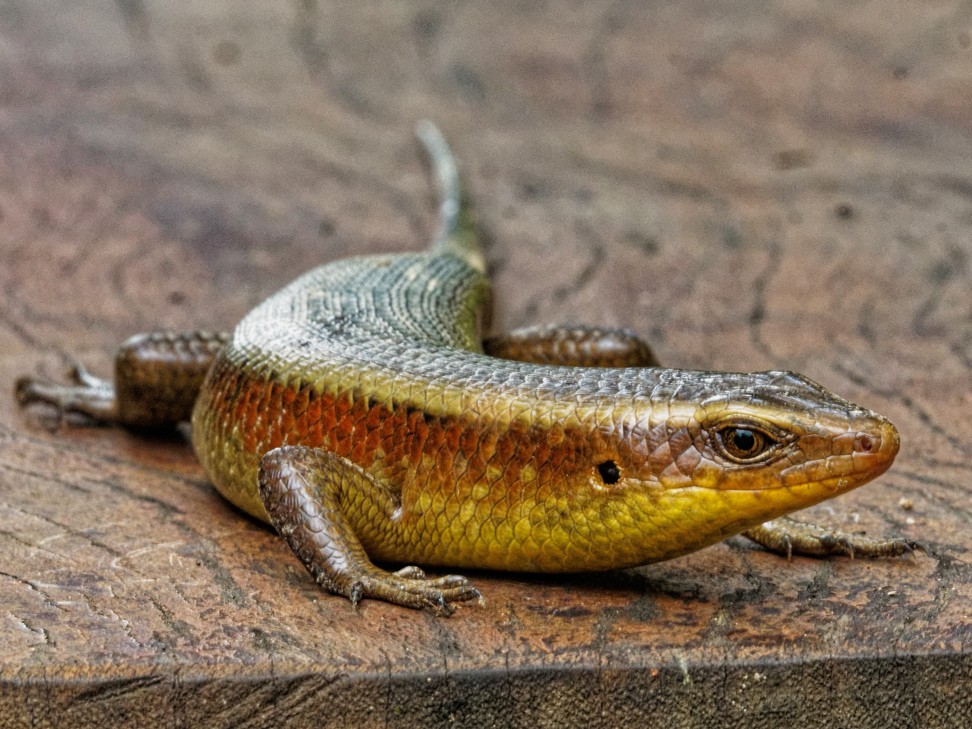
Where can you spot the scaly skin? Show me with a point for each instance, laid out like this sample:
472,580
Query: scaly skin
357,411
495,461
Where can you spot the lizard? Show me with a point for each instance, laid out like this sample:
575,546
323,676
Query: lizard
361,413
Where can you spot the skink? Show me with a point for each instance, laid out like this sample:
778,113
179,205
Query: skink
360,412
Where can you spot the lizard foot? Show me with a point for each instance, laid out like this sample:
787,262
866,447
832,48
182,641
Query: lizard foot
436,594
788,536
87,394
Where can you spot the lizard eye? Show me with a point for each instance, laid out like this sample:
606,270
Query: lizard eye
744,443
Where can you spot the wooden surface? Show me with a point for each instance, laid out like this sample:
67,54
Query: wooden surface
750,185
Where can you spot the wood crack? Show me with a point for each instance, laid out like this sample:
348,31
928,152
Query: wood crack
757,312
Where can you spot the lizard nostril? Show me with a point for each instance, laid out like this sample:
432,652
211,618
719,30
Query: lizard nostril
865,443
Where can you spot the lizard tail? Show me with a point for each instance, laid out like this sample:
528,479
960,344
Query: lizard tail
457,232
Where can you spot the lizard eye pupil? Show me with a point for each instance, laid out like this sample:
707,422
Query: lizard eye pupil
743,440
610,473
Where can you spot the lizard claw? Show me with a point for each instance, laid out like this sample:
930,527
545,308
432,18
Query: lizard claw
78,374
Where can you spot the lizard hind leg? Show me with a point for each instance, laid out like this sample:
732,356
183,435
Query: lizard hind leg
576,346
310,495
156,381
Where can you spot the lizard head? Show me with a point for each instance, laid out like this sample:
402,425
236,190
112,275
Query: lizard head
782,430
762,431
728,451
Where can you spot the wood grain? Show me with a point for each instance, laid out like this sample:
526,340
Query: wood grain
749,185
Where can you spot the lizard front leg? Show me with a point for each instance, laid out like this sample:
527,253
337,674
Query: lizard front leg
310,495
789,536
157,378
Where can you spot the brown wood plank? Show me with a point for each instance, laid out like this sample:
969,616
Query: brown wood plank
750,185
